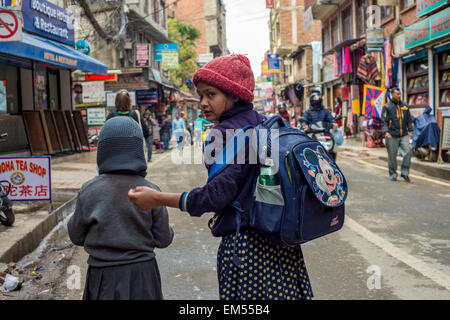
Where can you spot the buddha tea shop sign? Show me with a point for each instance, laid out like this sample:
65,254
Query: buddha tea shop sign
432,28
30,178
424,7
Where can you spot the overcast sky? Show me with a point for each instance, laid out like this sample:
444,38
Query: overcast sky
248,30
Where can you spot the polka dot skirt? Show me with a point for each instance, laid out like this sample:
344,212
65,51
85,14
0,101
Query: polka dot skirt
267,271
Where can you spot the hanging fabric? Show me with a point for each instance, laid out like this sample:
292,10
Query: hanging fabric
336,64
348,62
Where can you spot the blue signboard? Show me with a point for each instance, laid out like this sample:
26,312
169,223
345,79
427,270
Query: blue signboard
164,47
274,61
48,20
146,97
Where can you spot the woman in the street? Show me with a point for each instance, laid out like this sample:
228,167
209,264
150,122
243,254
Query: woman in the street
263,270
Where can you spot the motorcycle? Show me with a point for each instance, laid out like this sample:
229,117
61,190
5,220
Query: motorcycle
7,217
321,131
426,136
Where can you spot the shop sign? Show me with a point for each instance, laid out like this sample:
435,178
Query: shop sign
96,116
93,91
147,97
169,60
164,47
273,60
307,19
83,46
98,77
432,28
30,178
48,20
110,98
374,39
424,7
142,55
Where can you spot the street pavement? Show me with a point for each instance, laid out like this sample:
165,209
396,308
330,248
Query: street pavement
395,243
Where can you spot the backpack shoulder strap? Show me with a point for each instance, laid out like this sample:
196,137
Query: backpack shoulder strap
228,153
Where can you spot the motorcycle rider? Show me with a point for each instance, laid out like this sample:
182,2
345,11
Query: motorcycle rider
317,112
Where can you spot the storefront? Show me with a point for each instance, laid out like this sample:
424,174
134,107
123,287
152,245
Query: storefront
425,53
36,86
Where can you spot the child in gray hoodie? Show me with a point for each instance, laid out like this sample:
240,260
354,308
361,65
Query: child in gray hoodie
119,239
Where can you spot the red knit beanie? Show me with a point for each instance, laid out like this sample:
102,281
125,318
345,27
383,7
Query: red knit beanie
231,74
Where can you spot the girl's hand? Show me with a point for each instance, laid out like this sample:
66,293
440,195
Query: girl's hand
144,198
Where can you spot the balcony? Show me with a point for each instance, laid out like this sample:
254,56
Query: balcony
322,9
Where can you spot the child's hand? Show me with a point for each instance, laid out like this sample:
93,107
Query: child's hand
144,198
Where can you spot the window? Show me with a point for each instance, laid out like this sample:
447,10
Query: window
335,32
9,101
361,6
386,12
325,39
156,10
347,23
408,3
163,13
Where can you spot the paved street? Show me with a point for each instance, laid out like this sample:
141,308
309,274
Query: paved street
393,230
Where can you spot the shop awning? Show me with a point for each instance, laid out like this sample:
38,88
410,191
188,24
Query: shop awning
346,42
51,52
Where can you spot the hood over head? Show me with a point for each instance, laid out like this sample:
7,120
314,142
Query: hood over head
120,147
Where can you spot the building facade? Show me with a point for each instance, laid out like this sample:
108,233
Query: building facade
294,45
36,107
209,17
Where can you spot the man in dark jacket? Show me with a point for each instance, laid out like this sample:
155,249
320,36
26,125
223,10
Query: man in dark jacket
397,126
165,131
317,112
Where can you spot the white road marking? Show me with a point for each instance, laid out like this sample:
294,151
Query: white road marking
437,276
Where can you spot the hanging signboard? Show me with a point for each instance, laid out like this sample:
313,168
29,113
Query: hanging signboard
169,60
48,20
273,63
424,7
147,97
374,39
431,28
93,92
164,47
307,19
30,178
142,55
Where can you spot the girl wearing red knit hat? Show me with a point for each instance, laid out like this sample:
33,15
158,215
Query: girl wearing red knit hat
249,266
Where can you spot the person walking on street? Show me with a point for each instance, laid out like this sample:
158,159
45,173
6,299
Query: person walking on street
397,127
178,127
199,122
249,265
123,106
119,238
150,123
165,131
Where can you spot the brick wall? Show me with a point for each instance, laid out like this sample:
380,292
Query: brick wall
192,13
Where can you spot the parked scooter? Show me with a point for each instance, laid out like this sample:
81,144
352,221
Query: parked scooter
6,212
321,131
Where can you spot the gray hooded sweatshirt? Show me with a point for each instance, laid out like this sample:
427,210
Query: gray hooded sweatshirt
111,229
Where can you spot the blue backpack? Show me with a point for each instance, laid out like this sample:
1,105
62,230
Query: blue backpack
309,200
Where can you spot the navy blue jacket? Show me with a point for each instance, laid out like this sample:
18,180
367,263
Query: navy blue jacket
233,183
315,115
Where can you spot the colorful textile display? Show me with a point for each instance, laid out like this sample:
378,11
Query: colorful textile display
367,69
348,62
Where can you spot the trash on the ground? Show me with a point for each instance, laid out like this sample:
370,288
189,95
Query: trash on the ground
11,283
38,268
45,291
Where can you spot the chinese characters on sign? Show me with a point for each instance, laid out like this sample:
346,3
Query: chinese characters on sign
30,178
